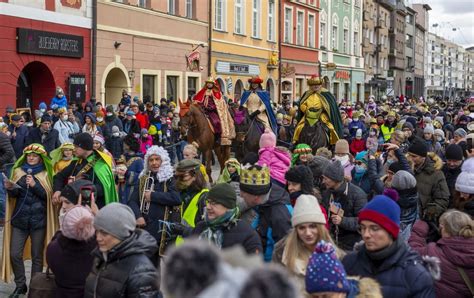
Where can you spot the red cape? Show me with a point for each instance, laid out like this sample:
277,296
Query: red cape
199,97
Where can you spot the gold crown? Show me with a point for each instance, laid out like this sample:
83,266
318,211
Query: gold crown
314,80
255,175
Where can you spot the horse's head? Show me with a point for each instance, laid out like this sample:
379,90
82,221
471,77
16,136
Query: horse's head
187,120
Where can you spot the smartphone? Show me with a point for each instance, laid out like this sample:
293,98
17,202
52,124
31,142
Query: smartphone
381,148
87,193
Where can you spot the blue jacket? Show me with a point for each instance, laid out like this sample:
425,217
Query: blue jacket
400,275
370,182
60,102
354,126
131,178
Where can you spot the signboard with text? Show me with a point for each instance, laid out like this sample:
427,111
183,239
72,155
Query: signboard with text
225,67
38,42
77,88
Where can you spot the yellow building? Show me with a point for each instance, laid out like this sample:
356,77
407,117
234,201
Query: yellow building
244,43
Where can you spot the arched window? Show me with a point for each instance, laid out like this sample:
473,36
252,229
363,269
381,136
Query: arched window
335,32
345,35
323,29
355,41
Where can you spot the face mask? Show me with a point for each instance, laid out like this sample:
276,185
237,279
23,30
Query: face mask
116,134
42,110
110,114
62,214
355,119
439,139
100,119
360,169
389,162
65,118
343,159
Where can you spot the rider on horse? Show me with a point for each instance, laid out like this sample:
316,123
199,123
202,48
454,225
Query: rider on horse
258,104
209,98
319,105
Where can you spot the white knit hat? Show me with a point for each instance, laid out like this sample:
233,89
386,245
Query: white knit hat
307,209
465,180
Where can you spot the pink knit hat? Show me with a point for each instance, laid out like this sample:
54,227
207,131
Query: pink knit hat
78,224
268,139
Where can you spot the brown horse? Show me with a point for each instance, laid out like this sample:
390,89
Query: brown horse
195,127
248,132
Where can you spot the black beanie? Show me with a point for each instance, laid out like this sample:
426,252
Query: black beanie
72,190
250,158
84,141
419,148
395,167
46,118
301,174
224,194
454,152
132,142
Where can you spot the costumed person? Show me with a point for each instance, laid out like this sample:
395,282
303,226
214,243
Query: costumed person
155,194
319,107
129,170
60,99
301,155
209,98
258,104
231,172
99,142
29,213
91,165
61,157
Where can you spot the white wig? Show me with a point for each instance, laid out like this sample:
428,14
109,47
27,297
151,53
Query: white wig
166,170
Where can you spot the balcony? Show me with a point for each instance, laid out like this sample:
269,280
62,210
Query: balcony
380,23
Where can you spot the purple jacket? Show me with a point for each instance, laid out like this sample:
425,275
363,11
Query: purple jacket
453,252
278,161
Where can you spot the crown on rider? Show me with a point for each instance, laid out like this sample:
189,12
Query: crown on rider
255,80
210,80
315,80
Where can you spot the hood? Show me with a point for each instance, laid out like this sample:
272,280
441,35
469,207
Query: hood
458,250
278,195
432,163
230,281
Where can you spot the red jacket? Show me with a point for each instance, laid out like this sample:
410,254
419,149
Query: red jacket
357,146
143,120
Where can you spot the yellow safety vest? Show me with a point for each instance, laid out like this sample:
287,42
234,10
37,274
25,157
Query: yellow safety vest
189,215
386,132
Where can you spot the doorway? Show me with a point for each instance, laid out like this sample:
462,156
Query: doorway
114,84
35,84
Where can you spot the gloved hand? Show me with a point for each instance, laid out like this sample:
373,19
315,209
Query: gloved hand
178,229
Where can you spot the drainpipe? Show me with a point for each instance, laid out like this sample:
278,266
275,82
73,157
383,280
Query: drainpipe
209,46
279,100
94,48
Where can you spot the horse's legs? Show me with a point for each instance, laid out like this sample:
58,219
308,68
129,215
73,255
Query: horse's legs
223,154
208,156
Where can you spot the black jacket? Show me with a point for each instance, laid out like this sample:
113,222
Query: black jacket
115,146
19,141
451,175
7,154
111,121
30,207
128,270
50,142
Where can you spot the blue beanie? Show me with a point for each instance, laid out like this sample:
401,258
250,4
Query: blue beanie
383,211
91,116
362,156
325,272
42,105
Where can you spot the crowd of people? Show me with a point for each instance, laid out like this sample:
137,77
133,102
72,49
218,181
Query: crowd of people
384,209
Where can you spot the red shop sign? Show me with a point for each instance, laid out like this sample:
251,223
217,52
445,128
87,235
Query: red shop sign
343,75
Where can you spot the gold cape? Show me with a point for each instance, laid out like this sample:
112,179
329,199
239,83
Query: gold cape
52,223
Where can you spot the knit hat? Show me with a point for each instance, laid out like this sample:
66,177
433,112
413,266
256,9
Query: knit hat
255,180
186,165
307,210
460,132
383,211
46,118
268,139
84,141
317,166
428,129
270,280
342,147
115,129
334,171
454,152
78,224
130,113
403,180
116,219
408,125
72,190
99,138
143,131
362,156
439,132
224,194
109,109
419,148
303,175
412,121
395,167
325,273
42,106
465,180
90,116
359,132
16,117
132,142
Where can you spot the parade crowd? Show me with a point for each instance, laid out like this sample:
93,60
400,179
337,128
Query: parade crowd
364,199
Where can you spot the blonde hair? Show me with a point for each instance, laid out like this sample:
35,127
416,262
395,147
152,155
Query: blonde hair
295,248
191,148
457,223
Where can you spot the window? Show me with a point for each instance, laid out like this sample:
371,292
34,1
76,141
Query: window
288,25
256,18
311,31
271,20
149,88
300,28
172,88
219,22
239,17
171,7
189,9
192,86
298,88
356,43
141,3
346,41
335,32
336,90
322,30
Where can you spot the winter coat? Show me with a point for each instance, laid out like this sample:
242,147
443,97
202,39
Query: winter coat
453,252
240,234
354,126
351,199
115,146
18,142
50,142
30,207
400,274
356,146
76,254
431,185
134,168
128,270
66,131
145,144
451,175
60,102
7,154
277,160
409,202
370,182
131,127
111,121
142,119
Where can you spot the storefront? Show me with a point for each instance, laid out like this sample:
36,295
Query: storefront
34,62
294,78
345,84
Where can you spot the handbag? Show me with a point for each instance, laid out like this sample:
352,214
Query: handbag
466,279
42,285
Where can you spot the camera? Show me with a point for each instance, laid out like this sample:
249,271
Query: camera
87,193
469,144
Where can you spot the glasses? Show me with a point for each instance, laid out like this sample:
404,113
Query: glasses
359,162
373,229
211,203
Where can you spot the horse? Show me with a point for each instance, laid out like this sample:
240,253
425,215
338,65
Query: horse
196,128
248,132
316,136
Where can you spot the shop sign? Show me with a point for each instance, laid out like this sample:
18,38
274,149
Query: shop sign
193,60
49,43
77,88
72,3
237,68
345,75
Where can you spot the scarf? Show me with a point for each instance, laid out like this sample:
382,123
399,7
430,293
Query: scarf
34,169
380,255
214,233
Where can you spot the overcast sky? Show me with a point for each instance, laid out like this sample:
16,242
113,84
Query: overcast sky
452,14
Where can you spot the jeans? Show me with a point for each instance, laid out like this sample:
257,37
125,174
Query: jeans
3,198
179,150
17,247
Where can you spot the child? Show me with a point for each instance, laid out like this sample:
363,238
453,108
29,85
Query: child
358,143
145,141
275,158
61,157
231,172
301,155
372,141
114,143
190,152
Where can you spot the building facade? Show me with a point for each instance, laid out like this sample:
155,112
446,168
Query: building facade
299,38
397,36
153,49
421,47
469,70
341,58
375,46
45,44
409,52
244,43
